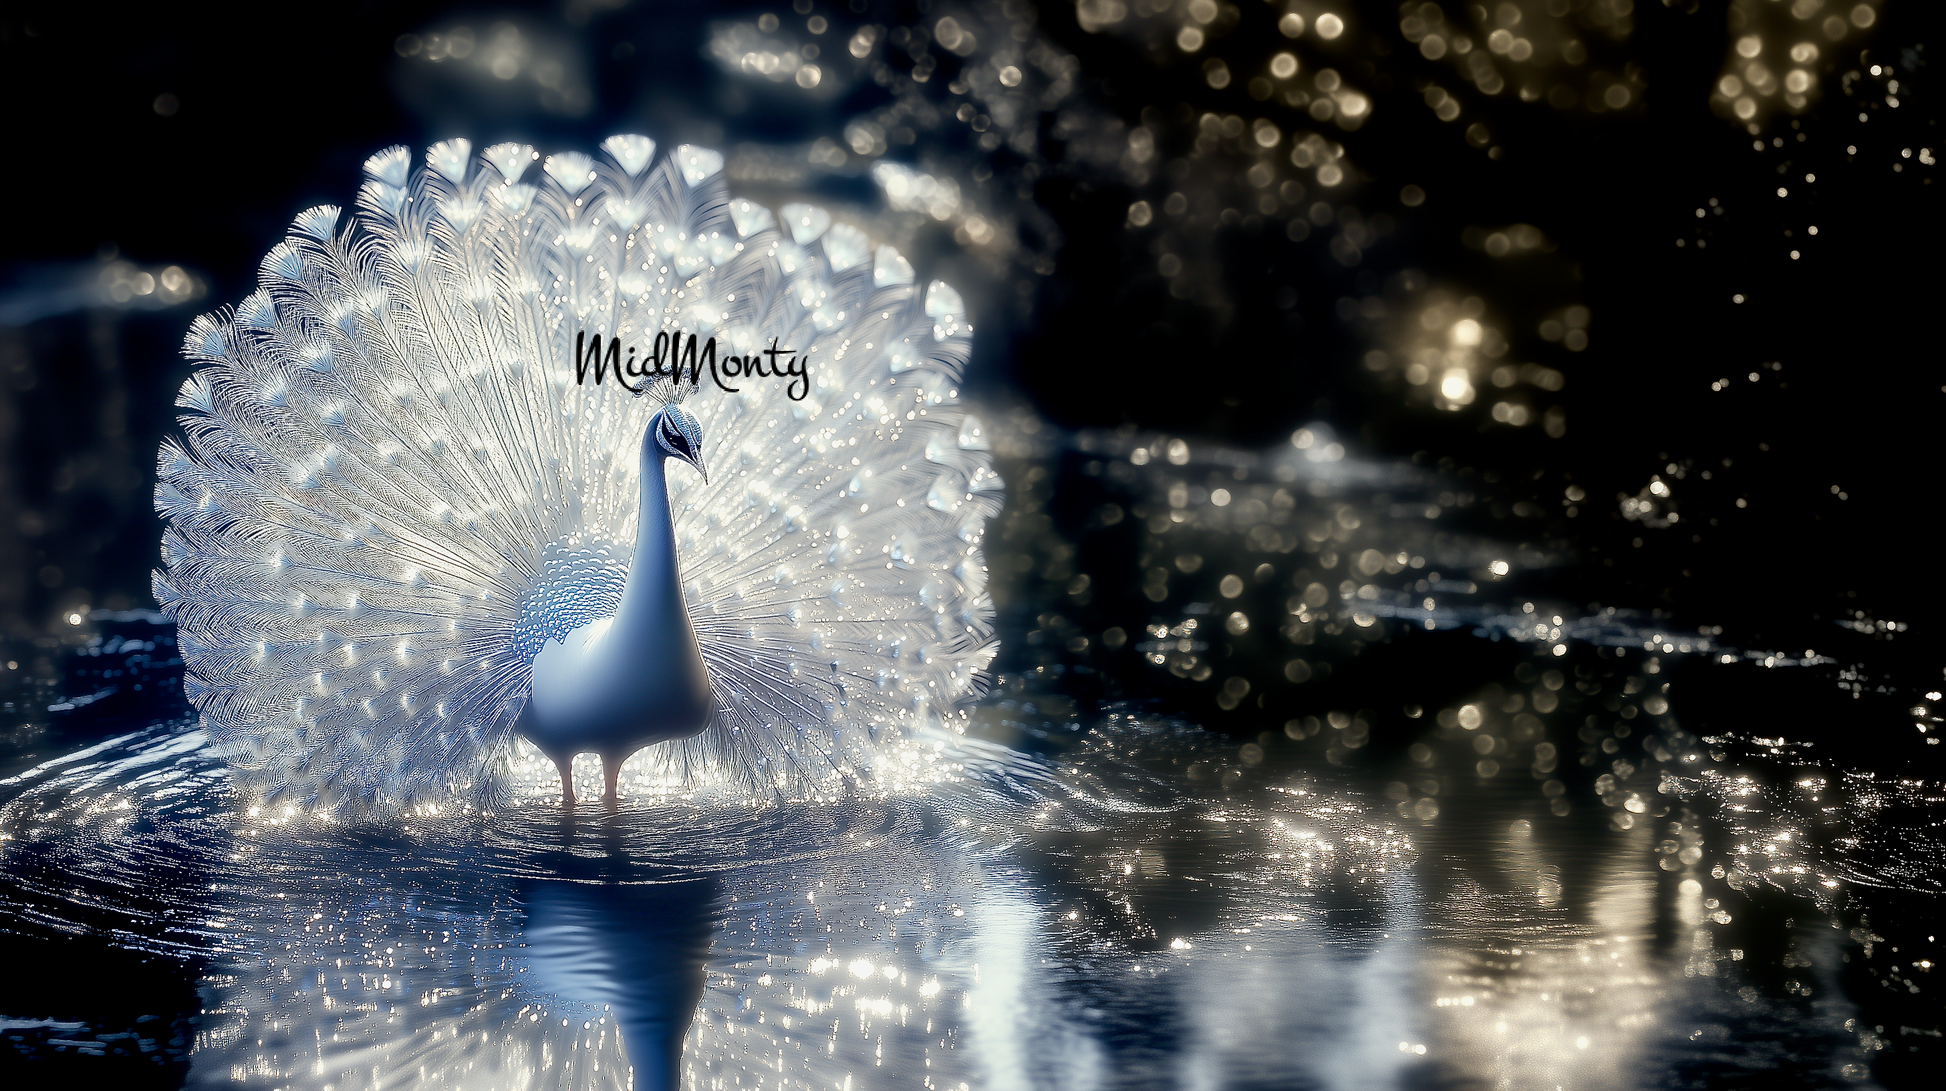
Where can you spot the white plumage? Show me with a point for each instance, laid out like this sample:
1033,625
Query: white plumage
391,489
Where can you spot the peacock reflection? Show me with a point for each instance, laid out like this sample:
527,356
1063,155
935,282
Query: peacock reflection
638,950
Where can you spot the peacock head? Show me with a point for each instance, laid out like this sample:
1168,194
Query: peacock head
680,436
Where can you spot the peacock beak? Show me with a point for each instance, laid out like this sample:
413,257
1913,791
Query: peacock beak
700,468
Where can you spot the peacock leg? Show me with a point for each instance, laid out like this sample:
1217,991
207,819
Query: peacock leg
566,766
611,771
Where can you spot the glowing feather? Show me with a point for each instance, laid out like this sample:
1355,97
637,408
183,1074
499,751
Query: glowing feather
391,489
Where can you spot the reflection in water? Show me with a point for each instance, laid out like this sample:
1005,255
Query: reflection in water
1279,934
1533,878
637,951
1533,995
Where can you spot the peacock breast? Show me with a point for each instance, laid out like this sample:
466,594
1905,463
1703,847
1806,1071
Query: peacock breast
593,690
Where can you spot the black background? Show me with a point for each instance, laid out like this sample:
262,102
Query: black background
280,106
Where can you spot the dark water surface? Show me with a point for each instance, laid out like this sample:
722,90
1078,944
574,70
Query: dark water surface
1448,836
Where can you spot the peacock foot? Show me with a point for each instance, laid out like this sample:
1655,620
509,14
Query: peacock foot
611,772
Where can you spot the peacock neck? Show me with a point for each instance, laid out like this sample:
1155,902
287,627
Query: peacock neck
652,610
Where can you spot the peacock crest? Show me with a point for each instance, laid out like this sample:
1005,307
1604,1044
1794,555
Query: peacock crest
392,488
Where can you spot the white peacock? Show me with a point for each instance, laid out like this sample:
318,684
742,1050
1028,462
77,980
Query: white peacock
401,532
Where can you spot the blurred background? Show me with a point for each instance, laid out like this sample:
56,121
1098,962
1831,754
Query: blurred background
1632,294
1579,247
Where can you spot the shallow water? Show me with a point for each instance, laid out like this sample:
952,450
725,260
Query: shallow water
1473,840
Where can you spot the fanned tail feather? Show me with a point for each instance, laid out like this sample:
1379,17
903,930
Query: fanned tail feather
391,487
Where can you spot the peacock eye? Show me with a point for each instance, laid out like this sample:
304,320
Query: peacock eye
673,439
